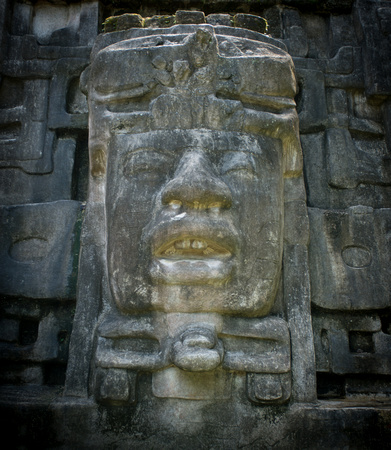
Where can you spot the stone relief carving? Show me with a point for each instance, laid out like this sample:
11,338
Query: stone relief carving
193,131
194,282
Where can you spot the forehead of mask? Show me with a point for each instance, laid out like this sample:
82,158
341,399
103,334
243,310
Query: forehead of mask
248,66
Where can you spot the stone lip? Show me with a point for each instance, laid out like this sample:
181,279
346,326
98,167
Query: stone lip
171,265
191,271
220,233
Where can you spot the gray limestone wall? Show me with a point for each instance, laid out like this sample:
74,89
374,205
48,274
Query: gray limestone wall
341,52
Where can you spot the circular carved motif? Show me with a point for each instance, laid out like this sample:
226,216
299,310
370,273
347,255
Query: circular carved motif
356,257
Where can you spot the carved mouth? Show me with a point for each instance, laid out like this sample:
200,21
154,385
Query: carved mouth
192,248
189,252
192,261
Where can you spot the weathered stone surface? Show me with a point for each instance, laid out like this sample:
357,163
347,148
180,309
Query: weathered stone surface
37,240
35,351
49,423
250,22
349,251
35,188
23,119
159,21
367,181
67,108
9,330
351,344
294,33
312,107
62,25
350,163
189,17
375,20
123,22
220,19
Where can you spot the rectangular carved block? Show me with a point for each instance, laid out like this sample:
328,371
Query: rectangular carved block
38,241
349,258
351,344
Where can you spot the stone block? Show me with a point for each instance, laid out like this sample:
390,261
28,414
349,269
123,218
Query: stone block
21,19
159,21
373,18
88,22
342,62
273,16
116,386
348,258
297,286
316,27
322,194
342,31
268,388
21,374
312,107
251,22
295,35
67,104
318,193
337,101
351,344
189,17
51,22
297,41
352,75
126,21
176,383
39,240
35,188
350,162
24,135
295,212
220,19
9,330
364,107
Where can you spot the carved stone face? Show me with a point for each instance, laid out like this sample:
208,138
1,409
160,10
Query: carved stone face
194,221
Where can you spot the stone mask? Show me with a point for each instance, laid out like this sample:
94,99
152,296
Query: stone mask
194,212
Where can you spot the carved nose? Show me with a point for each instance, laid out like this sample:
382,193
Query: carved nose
196,184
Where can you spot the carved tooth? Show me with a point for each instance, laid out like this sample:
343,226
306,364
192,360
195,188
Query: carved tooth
185,243
199,245
170,251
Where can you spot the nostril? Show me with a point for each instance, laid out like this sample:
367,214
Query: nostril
215,207
175,204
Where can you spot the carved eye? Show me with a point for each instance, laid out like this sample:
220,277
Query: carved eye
238,162
145,162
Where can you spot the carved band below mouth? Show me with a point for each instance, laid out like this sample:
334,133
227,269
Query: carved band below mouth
192,248
191,271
